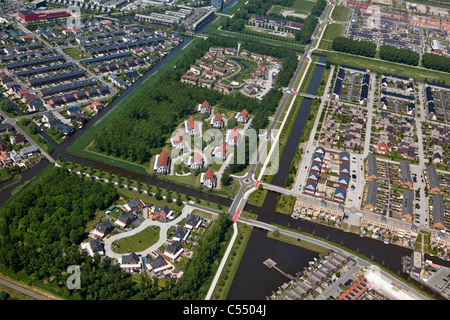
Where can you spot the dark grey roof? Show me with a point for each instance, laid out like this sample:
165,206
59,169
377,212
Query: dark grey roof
344,179
58,78
158,209
44,69
180,232
340,193
126,216
67,87
438,209
127,259
96,245
36,104
193,220
105,226
5,127
405,171
345,156
372,165
174,247
408,202
344,168
433,178
157,262
18,65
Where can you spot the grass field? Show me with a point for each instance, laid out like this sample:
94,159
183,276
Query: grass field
333,30
305,5
381,66
295,242
76,53
138,242
285,204
340,13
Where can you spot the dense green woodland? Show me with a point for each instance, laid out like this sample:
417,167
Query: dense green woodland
394,54
145,124
436,62
361,48
41,229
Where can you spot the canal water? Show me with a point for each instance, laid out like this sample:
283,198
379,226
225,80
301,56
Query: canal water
255,280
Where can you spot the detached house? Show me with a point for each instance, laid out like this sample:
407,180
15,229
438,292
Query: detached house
161,212
102,229
156,265
204,107
192,128
196,161
180,234
177,142
208,179
232,137
94,247
242,117
135,205
173,250
194,222
125,219
17,139
162,163
220,152
5,159
131,263
217,121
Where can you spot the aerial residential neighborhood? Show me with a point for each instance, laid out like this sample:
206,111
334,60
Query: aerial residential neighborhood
224,150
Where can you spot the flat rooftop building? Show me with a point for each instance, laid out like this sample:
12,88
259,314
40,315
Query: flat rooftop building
33,15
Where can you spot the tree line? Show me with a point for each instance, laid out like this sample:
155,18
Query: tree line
406,56
304,34
391,53
436,62
361,48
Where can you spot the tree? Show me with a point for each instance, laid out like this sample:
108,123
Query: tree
276,233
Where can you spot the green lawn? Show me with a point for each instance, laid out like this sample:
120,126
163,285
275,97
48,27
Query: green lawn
40,140
139,242
305,5
340,13
285,204
296,242
333,30
76,53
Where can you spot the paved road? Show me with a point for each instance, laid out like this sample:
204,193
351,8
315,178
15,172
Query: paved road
22,290
164,227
